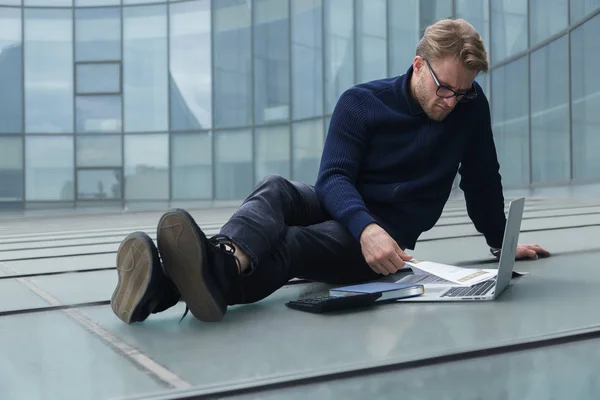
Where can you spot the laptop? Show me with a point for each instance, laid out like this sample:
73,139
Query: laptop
492,288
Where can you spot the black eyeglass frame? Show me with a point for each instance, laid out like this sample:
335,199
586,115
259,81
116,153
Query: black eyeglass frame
462,97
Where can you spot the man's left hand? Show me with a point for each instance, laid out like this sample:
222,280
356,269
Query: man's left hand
531,251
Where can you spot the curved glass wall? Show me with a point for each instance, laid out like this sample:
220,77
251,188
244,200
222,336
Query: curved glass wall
114,101
545,117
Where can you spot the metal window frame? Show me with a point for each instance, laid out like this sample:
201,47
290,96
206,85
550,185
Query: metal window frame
77,64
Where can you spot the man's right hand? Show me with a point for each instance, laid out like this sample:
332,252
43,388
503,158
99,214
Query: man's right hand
381,252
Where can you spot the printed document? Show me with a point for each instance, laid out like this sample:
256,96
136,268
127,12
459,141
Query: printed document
446,275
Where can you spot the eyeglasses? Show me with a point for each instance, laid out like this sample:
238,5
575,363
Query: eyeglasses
445,92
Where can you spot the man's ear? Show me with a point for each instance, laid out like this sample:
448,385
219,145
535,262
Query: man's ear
418,64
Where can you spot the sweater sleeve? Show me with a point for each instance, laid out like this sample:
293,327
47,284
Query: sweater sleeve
343,151
481,180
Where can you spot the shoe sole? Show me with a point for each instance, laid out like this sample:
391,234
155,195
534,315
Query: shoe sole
182,246
135,259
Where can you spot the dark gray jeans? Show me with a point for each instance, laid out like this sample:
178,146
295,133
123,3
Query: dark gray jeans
287,234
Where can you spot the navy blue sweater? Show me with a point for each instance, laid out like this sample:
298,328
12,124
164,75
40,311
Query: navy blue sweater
385,161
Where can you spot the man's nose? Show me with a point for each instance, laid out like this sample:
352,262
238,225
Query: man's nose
450,102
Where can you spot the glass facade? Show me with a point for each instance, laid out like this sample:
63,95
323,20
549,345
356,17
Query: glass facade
117,101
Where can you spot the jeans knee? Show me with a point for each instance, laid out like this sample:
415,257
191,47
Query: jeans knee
273,180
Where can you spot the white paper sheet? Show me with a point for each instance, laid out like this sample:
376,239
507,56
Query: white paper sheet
457,275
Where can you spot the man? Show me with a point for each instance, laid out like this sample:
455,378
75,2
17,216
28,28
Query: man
393,149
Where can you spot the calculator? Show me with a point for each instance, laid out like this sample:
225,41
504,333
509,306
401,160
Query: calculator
327,303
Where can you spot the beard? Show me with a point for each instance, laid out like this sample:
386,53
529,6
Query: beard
430,109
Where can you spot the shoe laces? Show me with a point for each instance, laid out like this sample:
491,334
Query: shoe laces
225,244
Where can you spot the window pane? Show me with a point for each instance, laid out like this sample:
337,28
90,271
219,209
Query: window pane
585,87
98,34
145,71
339,50
10,2
483,79
233,164
372,40
233,79
11,168
48,71
11,77
403,34
99,151
581,8
477,13
98,114
85,3
509,28
307,66
99,78
49,168
190,60
306,152
510,114
99,184
272,151
550,112
434,10
271,61
147,167
191,173
47,3
547,18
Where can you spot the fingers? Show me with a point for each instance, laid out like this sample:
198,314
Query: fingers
526,252
535,251
384,267
395,262
391,266
532,254
539,250
403,255
381,252
386,264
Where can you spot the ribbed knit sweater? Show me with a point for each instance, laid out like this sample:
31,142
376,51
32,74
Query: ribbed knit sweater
385,161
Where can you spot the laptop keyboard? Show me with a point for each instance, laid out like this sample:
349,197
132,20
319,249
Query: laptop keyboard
475,290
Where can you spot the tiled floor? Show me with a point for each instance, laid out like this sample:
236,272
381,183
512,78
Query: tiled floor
85,352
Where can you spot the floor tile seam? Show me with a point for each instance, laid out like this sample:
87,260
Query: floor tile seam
135,356
95,303
532,230
47,309
54,272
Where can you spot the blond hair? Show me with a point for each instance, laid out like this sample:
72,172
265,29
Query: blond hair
454,38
